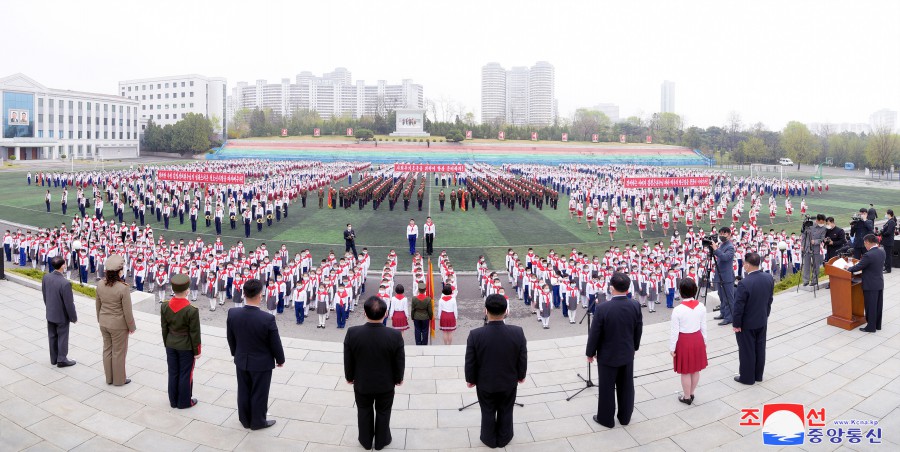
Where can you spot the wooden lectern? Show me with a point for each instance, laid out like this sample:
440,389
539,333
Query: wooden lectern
847,307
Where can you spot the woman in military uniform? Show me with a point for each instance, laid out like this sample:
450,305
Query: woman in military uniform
115,319
181,335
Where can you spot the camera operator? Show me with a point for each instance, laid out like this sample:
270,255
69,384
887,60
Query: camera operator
887,239
835,238
860,227
811,246
723,250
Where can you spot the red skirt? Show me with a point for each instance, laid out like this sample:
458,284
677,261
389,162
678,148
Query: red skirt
690,353
399,322
448,321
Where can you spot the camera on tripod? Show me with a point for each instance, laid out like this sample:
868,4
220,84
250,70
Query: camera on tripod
708,241
807,223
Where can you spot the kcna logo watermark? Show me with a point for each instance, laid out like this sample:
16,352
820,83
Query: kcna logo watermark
789,424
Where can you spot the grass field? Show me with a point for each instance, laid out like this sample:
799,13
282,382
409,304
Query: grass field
465,235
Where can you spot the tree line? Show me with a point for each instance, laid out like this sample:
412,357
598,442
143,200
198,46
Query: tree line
191,135
731,142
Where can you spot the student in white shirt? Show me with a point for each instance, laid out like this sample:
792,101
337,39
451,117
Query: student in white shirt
447,313
412,232
687,339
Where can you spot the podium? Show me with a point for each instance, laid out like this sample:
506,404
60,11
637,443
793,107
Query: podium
847,307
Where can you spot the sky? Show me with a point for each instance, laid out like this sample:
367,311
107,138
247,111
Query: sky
768,61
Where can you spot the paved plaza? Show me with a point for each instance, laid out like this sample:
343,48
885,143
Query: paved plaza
851,374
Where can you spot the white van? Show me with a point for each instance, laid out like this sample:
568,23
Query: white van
785,162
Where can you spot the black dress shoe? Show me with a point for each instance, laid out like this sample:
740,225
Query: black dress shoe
861,329
268,424
388,443
193,401
724,322
738,379
686,401
597,421
718,317
127,380
66,363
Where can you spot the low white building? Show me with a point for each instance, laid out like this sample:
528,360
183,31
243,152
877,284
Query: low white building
46,123
166,100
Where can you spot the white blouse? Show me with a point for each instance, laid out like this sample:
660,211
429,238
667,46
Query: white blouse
398,304
447,306
687,320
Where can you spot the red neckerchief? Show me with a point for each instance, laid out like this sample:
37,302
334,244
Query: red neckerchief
177,304
690,303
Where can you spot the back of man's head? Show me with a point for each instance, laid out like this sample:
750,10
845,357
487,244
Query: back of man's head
620,282
57,262
252,288
375,308
871,239
495,305
752,258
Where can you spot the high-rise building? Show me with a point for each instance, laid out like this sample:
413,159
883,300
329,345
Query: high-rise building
519,96
166,100
883,119
493,93
332,94
610,110
667,97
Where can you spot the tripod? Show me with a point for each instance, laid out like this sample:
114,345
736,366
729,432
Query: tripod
810,262
588,383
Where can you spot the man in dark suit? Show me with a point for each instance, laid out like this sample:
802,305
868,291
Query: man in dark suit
256,347
871,265
752,305
872,213
57,292
614,337
496,361
861,228
350,240
835,238
374,362
887,239
724,252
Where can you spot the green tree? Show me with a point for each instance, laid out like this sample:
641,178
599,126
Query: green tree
882,147
588,122
799,143
455,136
364,134
754,150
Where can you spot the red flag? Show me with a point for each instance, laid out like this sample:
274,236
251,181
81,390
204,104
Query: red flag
329,197
429,291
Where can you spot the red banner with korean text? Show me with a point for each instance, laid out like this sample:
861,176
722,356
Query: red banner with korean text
428,168
201,177
666,182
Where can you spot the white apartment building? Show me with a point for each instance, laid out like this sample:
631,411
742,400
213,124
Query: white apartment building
883,118
519,96
46,123
667,97
610,110
332,94
166,100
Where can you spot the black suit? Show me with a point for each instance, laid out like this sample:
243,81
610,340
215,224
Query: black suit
871,264
614,337
350,241
60,307
752,305
887,241
496,359
859,231
256,347
838,239
374,361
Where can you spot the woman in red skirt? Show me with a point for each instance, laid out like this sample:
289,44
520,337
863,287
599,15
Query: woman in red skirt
398,310
687,339
447,313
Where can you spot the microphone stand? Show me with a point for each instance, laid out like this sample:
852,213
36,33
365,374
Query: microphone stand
588,383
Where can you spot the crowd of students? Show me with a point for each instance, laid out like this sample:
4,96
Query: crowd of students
293,280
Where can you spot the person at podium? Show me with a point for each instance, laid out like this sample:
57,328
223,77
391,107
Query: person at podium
871,265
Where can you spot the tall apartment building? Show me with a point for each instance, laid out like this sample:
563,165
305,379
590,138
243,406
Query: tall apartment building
47,123
332,94
667,97
166,100
519,96
883,118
